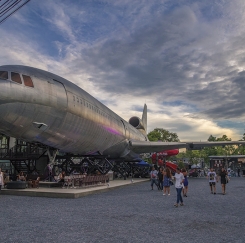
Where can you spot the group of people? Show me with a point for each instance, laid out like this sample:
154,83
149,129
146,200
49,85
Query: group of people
163,179
214,178
21,176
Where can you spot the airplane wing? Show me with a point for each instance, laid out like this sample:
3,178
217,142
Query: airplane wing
149,147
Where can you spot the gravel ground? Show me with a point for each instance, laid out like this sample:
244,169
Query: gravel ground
130,214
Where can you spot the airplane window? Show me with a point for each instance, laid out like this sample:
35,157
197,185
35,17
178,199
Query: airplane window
16,77
81,101
27,80
77,100
74,98
4,74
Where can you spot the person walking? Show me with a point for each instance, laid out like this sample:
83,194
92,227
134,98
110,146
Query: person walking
229,172
238,172
1,179
185,188
223,179
160,179
153,175
212,178
166,181
179,180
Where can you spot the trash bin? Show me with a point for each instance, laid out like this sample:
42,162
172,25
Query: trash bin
110,174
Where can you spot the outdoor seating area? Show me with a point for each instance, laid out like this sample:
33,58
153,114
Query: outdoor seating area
74,181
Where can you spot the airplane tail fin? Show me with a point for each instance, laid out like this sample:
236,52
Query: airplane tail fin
140,124
144,118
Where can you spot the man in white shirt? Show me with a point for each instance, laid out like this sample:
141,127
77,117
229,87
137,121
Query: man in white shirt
1,179
212,178
179,180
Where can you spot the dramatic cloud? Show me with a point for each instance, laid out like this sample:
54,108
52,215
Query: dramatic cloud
185,59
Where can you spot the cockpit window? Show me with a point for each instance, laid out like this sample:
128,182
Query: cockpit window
4,74
27,81
16,77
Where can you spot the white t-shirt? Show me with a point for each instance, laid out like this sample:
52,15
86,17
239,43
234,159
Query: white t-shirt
179,180
212,176
154,174
1,179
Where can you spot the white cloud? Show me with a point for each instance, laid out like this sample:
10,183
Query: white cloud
178,58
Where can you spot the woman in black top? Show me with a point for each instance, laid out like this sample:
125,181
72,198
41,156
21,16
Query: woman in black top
160,179
223,179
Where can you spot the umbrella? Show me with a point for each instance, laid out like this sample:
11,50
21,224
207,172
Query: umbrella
195,166
142,163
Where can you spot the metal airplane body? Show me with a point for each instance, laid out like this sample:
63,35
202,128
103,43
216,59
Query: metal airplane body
38,106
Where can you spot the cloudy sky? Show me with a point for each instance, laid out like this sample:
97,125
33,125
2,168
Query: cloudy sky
185,58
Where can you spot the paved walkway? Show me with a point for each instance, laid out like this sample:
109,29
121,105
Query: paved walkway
132,213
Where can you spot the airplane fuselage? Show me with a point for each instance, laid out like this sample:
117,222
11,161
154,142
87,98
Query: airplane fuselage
55,112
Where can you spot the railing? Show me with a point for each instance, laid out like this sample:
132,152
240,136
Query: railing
22,151
74,181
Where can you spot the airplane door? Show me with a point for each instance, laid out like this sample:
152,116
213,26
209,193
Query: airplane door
58,93
127,133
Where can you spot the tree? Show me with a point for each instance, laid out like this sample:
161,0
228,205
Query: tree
211,138
221,150
240,149
181,165
204,153
160,134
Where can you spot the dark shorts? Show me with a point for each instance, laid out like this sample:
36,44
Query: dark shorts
212,183
185,183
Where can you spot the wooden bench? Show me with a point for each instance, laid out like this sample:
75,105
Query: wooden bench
83,181
95,180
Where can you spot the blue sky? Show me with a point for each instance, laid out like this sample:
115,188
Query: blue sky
184,59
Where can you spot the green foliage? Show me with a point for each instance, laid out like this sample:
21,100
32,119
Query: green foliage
160,134
241,148
227,150
148,160
181,165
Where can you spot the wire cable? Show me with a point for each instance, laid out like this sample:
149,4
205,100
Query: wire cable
8,8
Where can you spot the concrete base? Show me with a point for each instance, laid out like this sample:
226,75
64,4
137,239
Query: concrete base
50,184
70,192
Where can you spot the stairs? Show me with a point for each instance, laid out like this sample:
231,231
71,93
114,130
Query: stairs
22,151
23,155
